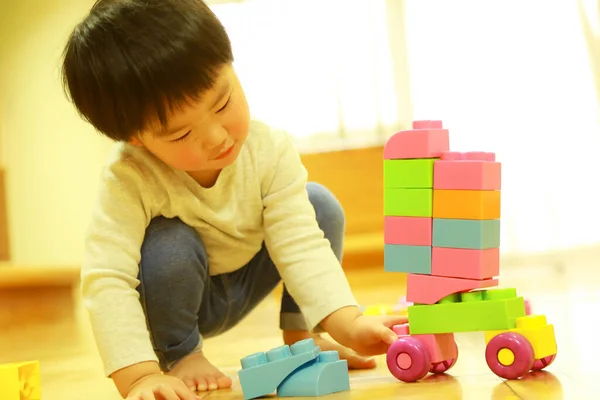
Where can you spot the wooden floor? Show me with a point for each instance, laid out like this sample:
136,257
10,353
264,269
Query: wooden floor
569,295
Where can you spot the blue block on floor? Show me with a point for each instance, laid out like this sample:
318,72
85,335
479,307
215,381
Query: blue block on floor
409,259
325,375
466,234
262,373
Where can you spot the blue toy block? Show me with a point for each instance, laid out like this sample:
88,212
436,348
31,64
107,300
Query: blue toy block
405,258
262,373
325,375
466,234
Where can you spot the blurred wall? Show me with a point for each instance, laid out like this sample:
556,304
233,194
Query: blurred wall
51,157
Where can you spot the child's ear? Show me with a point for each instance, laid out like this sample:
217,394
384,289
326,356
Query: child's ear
135,141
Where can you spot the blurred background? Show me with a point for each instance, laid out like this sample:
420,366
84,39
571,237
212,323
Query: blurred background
519,78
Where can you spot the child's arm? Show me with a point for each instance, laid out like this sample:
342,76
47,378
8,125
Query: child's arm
110,274
308,266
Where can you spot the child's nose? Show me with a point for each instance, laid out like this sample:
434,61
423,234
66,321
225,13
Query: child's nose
215,137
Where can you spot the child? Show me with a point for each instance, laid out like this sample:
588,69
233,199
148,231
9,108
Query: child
201,211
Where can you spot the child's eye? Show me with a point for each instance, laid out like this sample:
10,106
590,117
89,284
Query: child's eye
224,106
182,137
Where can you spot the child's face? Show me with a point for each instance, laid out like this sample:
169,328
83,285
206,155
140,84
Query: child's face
204,135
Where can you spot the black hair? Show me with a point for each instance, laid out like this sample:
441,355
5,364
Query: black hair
130,62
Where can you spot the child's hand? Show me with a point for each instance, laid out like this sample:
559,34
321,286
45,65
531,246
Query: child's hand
372,335
160,387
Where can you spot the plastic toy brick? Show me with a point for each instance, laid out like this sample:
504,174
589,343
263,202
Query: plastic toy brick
417,143
402,258
467,174
528,310
262,373
407,202
468,156
536,330
325,375
441,346
427,124
429,289
413,231
20,381
483,310
417,173
384,309
466,204
466,234
465,263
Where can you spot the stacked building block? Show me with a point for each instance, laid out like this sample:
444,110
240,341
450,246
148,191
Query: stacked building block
409,159
442,214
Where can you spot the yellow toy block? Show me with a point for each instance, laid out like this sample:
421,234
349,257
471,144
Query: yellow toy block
20,381
535,329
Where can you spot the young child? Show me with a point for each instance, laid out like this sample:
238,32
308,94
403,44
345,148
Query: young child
201,212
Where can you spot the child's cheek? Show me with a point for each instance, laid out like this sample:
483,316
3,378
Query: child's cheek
191,159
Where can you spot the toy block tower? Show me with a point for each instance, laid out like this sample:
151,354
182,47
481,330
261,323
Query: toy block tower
409,157
442,214
442,228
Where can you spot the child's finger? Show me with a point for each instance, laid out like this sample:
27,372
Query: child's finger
386,334
392,320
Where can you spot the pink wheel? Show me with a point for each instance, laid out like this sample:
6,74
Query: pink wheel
408,359
542,363
442,366
509,355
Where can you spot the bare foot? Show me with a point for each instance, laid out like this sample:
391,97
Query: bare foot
355,361
199,374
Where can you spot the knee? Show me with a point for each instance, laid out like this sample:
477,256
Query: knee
327,207
172,249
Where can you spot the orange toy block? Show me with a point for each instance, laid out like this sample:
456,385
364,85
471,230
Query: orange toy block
466,204
429,289
467,171
413,231
441,346
465,263
417,143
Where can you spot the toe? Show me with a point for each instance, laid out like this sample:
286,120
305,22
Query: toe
224,382
212,383
190,383
202,384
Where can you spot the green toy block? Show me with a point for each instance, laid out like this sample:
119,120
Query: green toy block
408,202
414,173
409,259
466,234
482,310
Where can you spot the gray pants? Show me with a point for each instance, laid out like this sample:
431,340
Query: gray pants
183,303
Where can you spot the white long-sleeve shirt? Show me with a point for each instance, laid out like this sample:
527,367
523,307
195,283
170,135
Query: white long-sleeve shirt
261,197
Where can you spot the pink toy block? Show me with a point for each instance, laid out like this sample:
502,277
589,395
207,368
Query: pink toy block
427,124
467,174
468,156
412,231
465,263
401,330
441,346
527,307
417,143
429,289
